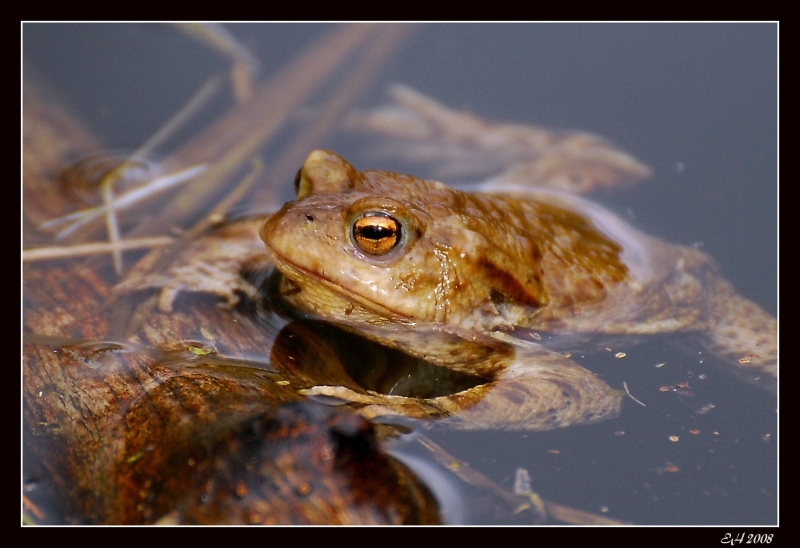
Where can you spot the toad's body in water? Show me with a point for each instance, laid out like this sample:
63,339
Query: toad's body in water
448,276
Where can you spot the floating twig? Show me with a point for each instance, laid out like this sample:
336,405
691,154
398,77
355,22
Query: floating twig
625,384
60,252
123,201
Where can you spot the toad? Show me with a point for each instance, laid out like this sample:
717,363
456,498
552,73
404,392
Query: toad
471,281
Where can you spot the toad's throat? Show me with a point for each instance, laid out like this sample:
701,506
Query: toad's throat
319,296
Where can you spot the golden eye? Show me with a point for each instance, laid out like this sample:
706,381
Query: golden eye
376,233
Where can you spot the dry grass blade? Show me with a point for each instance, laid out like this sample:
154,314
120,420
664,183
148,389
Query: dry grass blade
236,138
577,517
335,110
122,201
60,252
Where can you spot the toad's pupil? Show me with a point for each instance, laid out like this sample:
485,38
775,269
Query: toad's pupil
374,232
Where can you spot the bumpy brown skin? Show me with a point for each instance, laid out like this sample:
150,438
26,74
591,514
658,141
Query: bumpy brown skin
463,267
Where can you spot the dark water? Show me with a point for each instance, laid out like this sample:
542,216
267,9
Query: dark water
696,102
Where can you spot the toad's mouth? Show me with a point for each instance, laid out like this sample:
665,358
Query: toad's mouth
325,299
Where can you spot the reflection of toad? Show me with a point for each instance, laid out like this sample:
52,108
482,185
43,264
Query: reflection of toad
447,276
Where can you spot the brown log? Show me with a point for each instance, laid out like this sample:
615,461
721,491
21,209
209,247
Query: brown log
149,424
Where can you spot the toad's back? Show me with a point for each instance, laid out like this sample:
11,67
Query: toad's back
381,248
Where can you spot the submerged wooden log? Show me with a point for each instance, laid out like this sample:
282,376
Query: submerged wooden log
158,424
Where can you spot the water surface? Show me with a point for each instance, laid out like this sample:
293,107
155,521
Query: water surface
696,102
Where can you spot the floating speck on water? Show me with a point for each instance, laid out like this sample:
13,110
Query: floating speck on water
522,482
705,409
216,218
199,350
